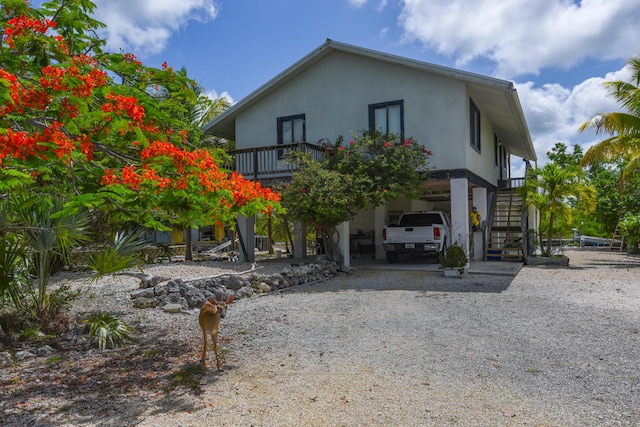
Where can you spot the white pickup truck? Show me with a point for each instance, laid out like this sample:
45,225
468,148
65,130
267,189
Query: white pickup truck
416,233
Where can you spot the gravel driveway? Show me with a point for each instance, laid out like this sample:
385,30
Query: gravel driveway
550,347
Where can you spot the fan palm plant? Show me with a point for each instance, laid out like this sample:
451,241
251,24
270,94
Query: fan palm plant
109,330
123,253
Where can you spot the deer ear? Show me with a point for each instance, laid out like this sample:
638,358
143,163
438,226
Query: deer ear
230,299
213,300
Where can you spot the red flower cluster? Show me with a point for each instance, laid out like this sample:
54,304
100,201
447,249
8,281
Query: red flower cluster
21,24
22,145
123,104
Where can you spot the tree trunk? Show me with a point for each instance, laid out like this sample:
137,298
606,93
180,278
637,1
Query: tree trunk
550,234
188,241
269,235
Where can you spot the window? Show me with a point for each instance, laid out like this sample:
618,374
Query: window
496,151
291,129
387,117
474,125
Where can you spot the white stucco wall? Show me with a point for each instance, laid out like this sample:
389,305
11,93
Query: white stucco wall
483,163
335,95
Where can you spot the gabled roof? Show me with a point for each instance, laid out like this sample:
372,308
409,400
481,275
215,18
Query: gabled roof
498,98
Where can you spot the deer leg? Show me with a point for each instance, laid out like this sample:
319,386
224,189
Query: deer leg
214,338
204,348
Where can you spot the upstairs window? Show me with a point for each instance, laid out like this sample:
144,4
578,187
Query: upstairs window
291,129
387,118
474,125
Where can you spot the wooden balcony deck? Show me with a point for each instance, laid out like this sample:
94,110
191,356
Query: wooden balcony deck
270,163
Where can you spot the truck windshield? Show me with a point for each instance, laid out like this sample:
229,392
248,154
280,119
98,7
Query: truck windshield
417,220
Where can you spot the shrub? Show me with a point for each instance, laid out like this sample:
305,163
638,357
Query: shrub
456,257
109,329
630,229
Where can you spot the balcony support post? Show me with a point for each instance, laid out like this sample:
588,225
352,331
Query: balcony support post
246,234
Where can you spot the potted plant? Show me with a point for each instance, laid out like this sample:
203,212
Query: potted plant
455,261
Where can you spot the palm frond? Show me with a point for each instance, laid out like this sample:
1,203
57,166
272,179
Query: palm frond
122,254
109,330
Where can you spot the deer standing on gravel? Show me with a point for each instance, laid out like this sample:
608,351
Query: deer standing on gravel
211,312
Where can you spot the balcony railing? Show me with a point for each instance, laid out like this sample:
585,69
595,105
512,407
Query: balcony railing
272,162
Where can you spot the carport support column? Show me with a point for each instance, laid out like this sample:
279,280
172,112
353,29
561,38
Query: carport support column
299,240
460,212
247,234
379,219
343,243
480,202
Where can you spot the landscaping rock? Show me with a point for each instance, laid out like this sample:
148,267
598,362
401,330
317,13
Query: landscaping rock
23,355
5,359
45,351
145,302
172,308
194,292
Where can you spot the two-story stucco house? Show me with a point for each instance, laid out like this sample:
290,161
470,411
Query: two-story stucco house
473,125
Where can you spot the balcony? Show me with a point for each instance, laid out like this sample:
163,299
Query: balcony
270,164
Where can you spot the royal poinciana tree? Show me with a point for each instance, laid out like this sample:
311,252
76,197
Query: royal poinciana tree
102,131
91,139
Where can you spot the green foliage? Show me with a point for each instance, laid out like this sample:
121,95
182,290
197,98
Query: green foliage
385,167
555,192
123,253
52,315
90,142
35,242
562,158
319,196
455,257
624,127
630,229
612,200
11,256
109,330
30,333
369,170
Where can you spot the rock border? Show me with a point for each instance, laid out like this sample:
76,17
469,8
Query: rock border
179,295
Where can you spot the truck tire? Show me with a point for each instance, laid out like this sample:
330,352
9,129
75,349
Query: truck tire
443,252
393,257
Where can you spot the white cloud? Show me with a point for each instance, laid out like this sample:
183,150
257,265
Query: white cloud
555,114
212,94
145,26
524,37
357,3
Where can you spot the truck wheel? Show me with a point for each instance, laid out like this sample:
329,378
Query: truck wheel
393,257
443,252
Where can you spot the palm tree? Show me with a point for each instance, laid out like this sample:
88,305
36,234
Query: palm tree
624,127
550,189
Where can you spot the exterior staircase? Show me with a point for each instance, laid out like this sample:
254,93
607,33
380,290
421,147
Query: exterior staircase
506,240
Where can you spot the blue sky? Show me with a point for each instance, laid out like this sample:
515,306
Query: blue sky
557,52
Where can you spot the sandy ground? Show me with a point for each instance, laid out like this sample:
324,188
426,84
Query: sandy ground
549,347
